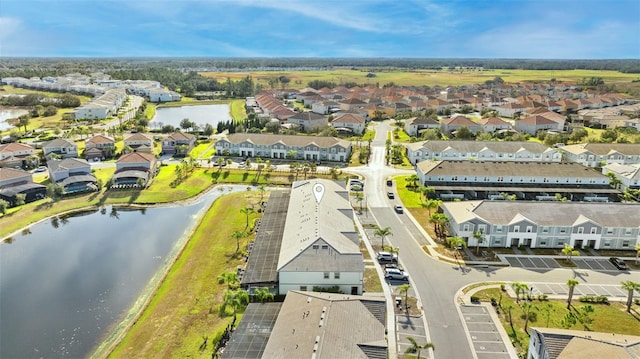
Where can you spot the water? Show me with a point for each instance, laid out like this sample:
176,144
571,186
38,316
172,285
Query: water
61,288
7,114
201,115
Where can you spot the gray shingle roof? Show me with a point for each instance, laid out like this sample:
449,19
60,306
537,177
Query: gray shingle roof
477,146
492,169
289,140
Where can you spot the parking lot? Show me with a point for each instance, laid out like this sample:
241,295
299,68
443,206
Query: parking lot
610,290
597,264
485,337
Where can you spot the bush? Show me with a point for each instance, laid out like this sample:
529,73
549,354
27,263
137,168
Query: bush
475,299
333,289
543,297
599,299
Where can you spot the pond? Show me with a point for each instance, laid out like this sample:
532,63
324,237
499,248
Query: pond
7,114
201,115
65,282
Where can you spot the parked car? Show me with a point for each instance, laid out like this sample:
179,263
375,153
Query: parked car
395,274
391,195
618,263
389,183
41,169
398,209
387,257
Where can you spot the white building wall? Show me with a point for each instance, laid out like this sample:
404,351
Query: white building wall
294,280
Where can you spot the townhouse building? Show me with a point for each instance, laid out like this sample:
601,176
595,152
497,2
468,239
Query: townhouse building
507,151
614,226
599,154
542,181
311,148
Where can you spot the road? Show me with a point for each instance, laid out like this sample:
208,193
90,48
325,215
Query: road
437,282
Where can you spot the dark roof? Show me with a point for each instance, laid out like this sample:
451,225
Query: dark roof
21,188
77,179
252,334
492,169
263,260
307,116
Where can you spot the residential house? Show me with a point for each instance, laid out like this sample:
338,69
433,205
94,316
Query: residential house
509,109
139,142
349,123
73,174
599,154
507,151
415,125
162,95
532,124
494,124
308,121
452,124
178,143
135,168
629,175
16,155
351,103
542,181
547,343
284,146
61,148
320,246
14,182
610,226
99,147
324,107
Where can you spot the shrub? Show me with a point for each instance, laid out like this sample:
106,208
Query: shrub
475,299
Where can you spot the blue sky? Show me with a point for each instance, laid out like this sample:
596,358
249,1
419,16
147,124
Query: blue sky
556,29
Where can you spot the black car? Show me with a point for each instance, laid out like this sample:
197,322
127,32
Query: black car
391,195
398,209
618,263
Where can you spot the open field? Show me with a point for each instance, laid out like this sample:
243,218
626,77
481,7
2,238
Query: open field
300,79
185,307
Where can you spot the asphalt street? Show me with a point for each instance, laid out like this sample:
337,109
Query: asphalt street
437,282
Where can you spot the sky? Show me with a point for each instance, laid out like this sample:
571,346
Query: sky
536,29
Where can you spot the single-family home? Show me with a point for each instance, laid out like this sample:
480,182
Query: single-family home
73,174
60,147
542,181
349,123
139,142
135,168
351,103
532,124
628,175
14,182
452,124
415,125
308,121
16,155
99,147
178,144
311,148
610,226
325,107
494,124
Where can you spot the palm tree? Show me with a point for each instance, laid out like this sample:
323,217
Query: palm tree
247,211
262,188
571,283
508,309
236,299
404,289
527,307
230,278
412,180
569,251
440,221
519,287
382,233
264,295
630,286
431,204
237,235
637,252
479,236
427,192
359,199
547,309
415,348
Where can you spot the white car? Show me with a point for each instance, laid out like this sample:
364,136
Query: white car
386,257
395,274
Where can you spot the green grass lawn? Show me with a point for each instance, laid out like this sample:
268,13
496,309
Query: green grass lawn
606,318
410,198
368,135
372,282
199,149
237,110
150,111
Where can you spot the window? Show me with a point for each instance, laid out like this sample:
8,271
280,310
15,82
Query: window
545,229
580,230
516,229
498,229
543,243
315,246
563,230
627,231
607,243
529,229
336,275
609,230
594,230
625,243
326,275
325,246
465,227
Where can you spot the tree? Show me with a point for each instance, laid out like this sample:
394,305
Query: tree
527,307
630,286
571,283
508,309
237,235
208,130
464,133
247,211
412,180
479,236
3,206
382,233
236,299
614,181
24,121
20,199
440,221
569,252
519,287
415,348
404,289
637,252
264,295
432,204
186,124
230,278
359,199
547,309
262,188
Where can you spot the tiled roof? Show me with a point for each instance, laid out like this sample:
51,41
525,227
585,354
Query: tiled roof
9,173
15,147
100,139
136,157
